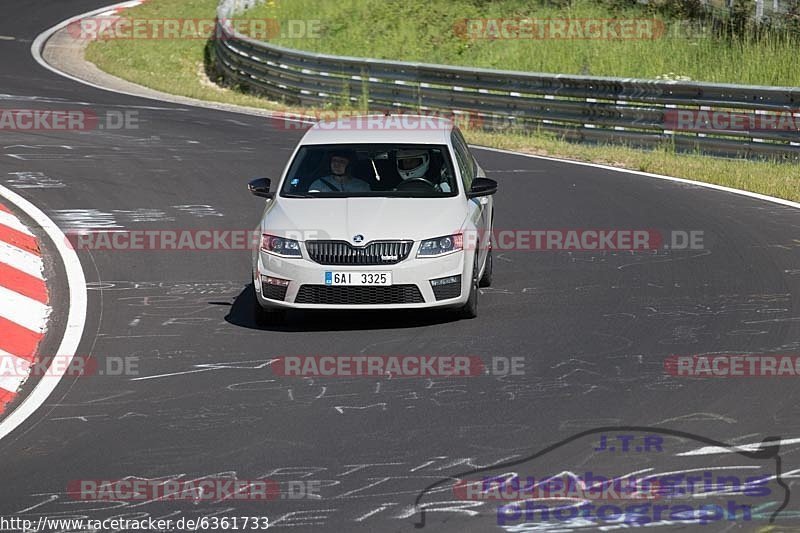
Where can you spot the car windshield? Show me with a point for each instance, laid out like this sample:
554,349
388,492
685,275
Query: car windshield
364,170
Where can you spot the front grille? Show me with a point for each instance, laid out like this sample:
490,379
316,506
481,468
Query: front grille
449,290
355,295
343,253
273,292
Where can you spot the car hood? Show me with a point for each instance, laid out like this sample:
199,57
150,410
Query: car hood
374,218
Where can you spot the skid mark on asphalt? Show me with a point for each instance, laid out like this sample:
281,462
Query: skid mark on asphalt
342,408
33,180
691,417
383,491
96,219
199,211
70,219
684,256
187,305
207,367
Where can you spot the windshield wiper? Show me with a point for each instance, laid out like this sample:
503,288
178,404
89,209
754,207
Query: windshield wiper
296,195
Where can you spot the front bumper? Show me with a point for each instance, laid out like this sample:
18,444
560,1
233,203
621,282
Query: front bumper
410,273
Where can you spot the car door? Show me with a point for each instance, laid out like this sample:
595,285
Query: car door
479,209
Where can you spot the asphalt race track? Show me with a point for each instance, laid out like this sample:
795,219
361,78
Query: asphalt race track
593,328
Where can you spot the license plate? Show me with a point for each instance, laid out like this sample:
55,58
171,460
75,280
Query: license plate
358,278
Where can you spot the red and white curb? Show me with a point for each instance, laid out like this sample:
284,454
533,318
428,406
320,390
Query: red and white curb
24,308
23,304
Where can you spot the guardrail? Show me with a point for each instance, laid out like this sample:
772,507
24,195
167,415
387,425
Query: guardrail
759,10
580,108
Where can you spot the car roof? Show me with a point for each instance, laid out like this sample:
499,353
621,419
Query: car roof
381,129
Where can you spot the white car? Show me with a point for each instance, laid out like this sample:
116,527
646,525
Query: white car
376,216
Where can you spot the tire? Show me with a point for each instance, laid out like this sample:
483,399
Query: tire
470,309
486,280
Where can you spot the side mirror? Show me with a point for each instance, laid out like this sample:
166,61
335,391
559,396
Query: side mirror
482,187
260,187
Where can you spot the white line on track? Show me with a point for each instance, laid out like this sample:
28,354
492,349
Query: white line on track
76,315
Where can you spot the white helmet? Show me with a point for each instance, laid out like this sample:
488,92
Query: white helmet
412,163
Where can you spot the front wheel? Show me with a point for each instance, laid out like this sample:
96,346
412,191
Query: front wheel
470,309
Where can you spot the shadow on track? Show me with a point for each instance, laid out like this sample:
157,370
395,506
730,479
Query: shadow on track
241,314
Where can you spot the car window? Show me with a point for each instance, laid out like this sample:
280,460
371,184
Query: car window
403,170
466,164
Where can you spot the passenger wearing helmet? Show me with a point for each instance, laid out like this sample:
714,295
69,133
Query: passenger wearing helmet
340,179
413,164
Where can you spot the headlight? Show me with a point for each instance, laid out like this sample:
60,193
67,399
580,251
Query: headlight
280,246
441,245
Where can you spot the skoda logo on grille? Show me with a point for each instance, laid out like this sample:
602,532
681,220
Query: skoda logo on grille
358,238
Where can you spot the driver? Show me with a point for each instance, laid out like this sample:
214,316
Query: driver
414,164
340,179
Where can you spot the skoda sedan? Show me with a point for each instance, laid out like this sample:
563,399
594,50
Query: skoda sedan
371,213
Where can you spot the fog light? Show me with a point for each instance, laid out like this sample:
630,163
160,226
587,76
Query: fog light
445,281
269,280
446,288
274,288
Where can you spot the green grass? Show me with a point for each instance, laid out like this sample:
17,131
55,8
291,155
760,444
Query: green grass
176,66
170,65
422,30
770,178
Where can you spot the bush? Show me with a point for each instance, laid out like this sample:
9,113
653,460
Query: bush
791,19
681,9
